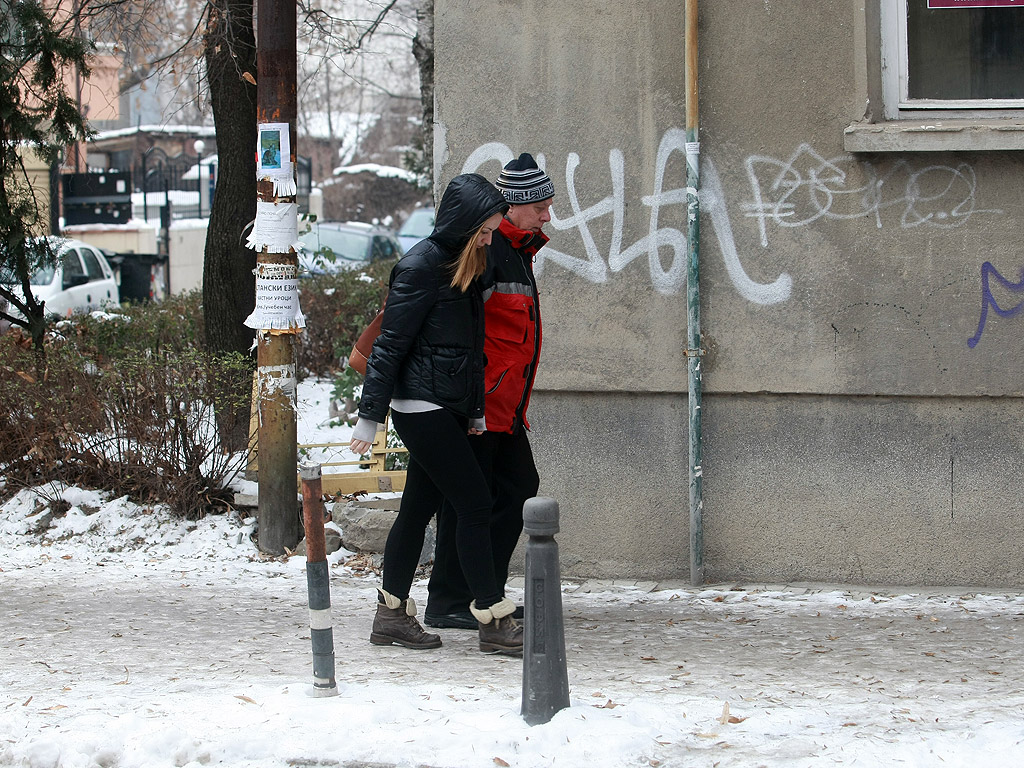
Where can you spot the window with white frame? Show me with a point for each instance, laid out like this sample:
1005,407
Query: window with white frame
952,58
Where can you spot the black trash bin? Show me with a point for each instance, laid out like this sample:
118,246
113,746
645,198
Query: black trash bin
138,272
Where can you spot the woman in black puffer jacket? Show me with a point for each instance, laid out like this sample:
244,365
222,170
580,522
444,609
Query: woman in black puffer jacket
427,364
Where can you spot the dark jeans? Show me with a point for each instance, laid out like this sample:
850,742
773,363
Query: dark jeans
507,463
442,468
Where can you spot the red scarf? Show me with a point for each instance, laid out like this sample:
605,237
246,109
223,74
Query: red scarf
523,239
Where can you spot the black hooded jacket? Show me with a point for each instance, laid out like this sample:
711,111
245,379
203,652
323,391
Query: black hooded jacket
432,336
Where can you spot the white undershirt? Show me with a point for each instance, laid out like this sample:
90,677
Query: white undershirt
413,406
366,429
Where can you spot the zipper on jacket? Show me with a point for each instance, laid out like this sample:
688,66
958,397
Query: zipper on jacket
497,383
531,367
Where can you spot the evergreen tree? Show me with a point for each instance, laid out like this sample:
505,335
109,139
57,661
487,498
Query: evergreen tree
40,50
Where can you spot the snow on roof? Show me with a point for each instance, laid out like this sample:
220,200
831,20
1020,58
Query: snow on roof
131,225
193,173
156,199
383,171
186,130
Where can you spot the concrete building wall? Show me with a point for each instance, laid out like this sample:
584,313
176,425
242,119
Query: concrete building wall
38,172
136,237
862,411
186,249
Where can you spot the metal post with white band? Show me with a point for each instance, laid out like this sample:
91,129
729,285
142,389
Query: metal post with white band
318,581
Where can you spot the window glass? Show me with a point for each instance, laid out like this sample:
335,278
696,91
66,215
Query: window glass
419,224
43,276
958,54
336,243
72,264
383,248
344,244
92,264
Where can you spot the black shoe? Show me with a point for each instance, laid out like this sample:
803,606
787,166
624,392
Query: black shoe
454,620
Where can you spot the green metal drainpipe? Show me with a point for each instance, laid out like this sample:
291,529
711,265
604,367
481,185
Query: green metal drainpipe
693,337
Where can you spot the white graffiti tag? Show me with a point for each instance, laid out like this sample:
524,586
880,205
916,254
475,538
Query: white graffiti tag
807,187
786,193
668,280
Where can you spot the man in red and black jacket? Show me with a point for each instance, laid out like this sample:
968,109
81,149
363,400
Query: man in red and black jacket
512,339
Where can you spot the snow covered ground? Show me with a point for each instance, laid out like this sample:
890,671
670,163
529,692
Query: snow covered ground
128,639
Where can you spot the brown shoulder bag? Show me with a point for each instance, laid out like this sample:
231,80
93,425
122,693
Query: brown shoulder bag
360,354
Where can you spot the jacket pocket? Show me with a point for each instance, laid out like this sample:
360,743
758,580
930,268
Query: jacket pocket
508,318
451,373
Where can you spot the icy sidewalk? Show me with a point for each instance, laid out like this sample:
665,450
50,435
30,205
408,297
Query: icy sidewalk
147,660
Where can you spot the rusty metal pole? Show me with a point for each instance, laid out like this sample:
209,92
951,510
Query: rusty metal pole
318,581
694,351
275,351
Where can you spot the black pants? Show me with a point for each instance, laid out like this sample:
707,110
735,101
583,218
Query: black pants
442,468
506,460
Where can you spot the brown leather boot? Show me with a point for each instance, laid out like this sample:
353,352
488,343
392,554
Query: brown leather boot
395,622
499,632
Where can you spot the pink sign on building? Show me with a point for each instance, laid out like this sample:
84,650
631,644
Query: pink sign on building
976,3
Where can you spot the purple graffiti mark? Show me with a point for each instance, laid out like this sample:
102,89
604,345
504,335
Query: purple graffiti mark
987,271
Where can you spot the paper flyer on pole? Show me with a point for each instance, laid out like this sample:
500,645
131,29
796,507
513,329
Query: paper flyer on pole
276,228
277,299
273,158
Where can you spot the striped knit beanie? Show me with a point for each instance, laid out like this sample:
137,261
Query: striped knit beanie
522,182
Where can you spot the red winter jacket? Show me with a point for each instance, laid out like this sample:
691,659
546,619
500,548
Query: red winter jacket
512,326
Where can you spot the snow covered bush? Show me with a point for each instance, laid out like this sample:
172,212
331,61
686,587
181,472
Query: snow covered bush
127,403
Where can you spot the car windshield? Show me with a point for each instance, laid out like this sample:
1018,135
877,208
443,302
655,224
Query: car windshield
344,244
42,276
36,250
419,224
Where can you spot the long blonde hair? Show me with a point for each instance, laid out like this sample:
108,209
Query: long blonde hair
471,262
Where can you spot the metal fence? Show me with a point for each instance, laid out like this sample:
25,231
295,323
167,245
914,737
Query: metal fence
163,181
185,185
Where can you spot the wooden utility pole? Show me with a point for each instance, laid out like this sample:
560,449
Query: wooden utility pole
276,273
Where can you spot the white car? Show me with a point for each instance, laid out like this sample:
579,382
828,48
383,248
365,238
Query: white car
81,280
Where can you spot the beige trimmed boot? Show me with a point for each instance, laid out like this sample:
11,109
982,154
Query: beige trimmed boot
395,622
499,632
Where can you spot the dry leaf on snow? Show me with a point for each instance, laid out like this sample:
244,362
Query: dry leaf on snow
725,714
727,718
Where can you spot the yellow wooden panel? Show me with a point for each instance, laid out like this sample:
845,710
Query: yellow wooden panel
371,482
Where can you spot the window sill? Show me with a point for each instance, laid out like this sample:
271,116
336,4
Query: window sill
935,136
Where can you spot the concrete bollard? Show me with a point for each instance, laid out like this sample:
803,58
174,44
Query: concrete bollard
545,680
318,581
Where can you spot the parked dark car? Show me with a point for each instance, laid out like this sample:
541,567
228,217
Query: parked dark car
334,246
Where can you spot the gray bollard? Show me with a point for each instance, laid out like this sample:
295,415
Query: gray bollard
545,681
318,581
